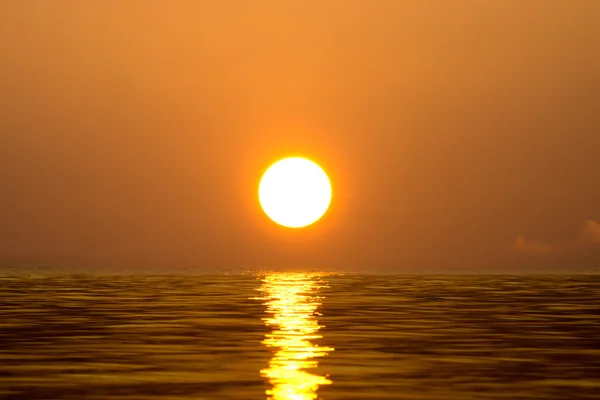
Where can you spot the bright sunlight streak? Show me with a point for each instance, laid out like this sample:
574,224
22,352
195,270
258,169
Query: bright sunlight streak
292,304
295,192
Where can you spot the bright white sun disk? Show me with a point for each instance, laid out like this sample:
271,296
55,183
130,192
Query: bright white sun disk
295,192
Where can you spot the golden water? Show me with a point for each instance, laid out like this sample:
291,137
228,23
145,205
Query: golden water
299,337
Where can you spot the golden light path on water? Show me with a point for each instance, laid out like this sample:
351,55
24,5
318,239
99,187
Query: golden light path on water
292,301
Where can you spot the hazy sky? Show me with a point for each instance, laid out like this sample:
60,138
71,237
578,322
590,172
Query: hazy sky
459,135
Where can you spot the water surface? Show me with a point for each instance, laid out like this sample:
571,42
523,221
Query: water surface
299,337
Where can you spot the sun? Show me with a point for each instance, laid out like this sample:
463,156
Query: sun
295,192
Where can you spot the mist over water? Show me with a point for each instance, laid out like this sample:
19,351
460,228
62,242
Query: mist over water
299,336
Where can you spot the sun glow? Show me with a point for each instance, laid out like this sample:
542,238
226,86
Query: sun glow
295,192
292,302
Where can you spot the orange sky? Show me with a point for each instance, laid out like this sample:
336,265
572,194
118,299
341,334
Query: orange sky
459,135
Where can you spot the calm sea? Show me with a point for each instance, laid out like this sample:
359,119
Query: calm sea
299,337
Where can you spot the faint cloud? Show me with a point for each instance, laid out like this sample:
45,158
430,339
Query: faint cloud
591,232
532,245
589,236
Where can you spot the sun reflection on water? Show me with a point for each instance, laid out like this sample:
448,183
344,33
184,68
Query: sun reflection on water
292,302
